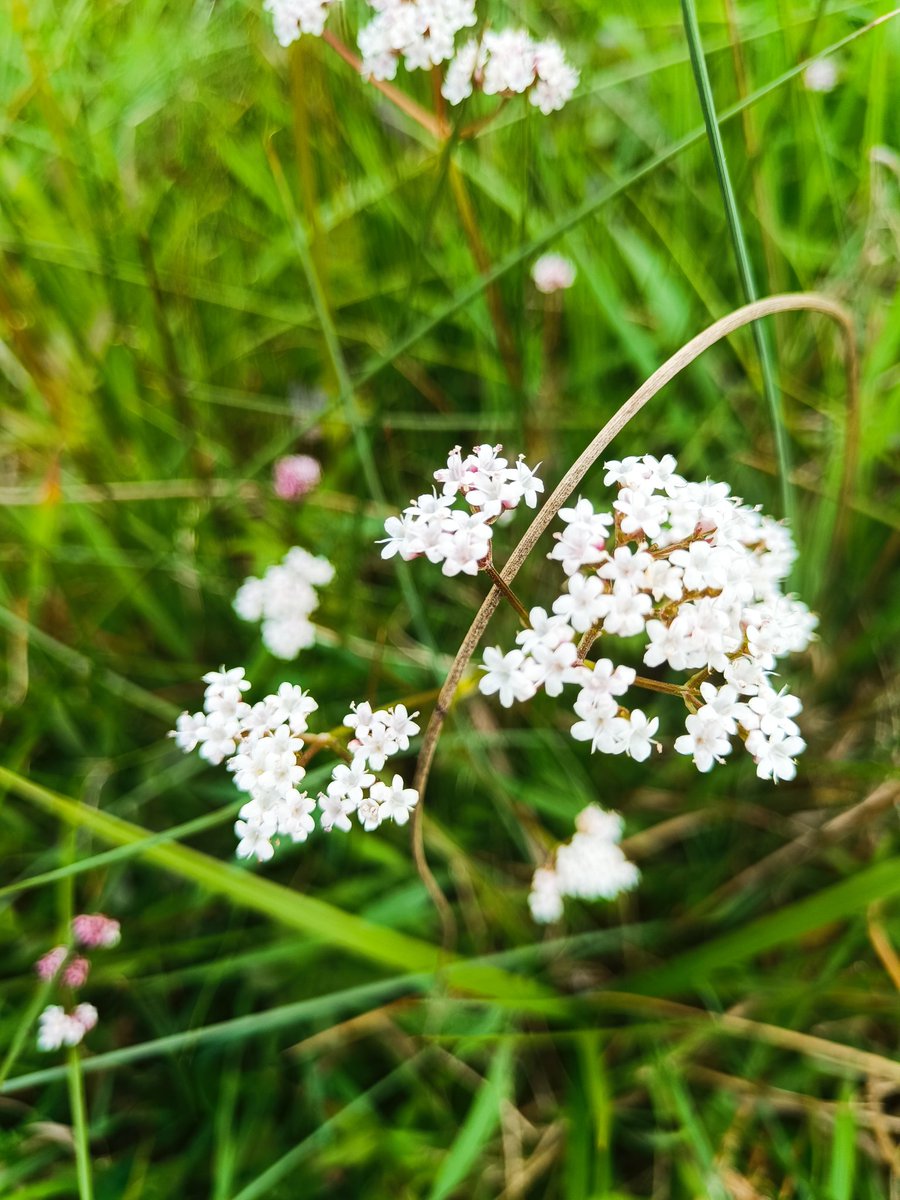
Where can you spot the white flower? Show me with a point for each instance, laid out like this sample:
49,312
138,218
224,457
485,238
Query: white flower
401,725
545,898
525,482
284,599
544,630
294,816
291,18
335,812
291,704
187,731
637,738
552,273
775,756
745,676
557,666
584,603
773,712
217,738
254,840
348,782
602,728
607,680
86,1016
507,675
722,705
626,569
556,78
369,814
601,823
57,1028
705,740
395,801
626,613
821,75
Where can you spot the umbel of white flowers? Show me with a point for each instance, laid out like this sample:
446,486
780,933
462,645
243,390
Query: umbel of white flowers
266,746
284,599
422,35
687,567
591,866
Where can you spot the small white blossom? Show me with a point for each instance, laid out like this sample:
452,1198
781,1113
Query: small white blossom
507,675
395,801
552,273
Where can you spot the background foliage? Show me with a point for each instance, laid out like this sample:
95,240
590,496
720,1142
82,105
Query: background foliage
172,188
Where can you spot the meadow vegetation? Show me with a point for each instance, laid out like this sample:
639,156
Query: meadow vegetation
215,251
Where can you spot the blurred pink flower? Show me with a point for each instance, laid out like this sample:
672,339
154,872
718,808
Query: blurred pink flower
295,475
94,929
49,964
76,973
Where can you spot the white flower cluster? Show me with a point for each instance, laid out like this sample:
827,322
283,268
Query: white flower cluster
460,539
698,574
508,62
291,18
58,1028
592,866
420,32
262,745
284,599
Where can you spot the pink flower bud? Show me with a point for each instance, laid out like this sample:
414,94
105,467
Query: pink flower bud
94,929
76,973
49,964
295,475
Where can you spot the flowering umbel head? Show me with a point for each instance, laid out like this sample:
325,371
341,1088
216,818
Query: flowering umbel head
56,1026
697,574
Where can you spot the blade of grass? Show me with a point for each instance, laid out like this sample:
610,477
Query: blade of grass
741,251
478,1126
686,971
80,1126
305,913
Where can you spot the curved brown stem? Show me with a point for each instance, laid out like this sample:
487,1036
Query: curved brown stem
748,313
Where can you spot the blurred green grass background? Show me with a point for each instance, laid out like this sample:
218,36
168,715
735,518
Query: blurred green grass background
170,181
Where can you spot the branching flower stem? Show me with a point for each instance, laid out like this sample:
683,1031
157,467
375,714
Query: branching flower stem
508,594
687,354
438,129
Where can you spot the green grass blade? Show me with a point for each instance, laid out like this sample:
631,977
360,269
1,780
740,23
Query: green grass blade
741,251
80,1127
314,917
479,1125
689,970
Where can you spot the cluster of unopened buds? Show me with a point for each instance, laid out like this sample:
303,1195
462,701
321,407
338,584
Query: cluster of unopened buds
686,566
422,35
460,538
591,866
69,970
284,599
267,747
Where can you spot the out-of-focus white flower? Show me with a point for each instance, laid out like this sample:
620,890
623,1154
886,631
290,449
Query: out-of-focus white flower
552,273
420,33
508,62
57,1028
283,599
821,75
591,866
291,18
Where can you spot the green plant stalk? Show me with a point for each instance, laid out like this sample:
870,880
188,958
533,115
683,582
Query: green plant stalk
741,252
80,1127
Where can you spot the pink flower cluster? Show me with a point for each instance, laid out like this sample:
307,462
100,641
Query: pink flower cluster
90,931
